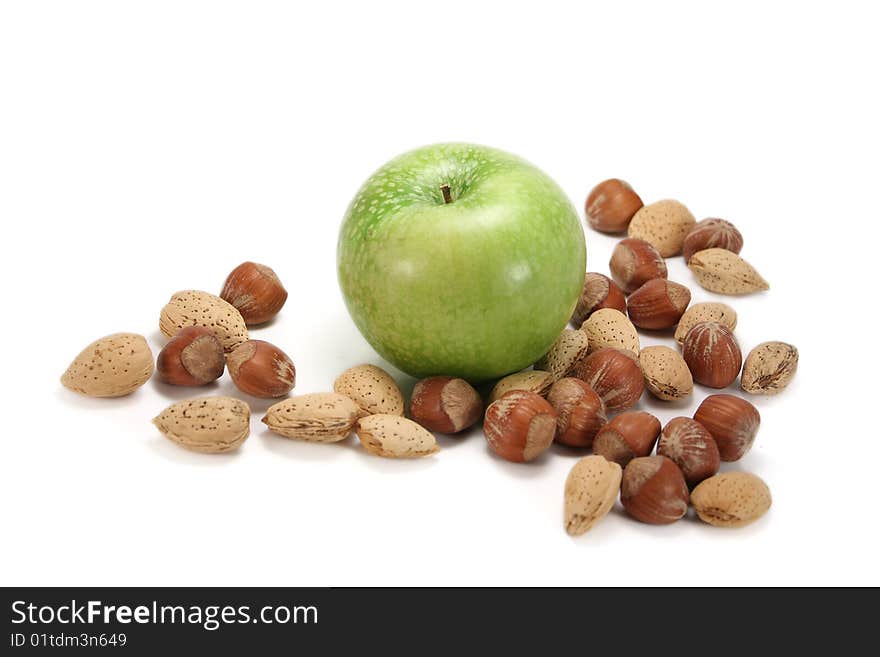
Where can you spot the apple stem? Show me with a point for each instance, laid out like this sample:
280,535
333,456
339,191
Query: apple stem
447,194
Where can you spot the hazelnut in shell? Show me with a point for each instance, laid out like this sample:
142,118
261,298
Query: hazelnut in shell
634,262
520,426
733,423
709,234
615,375
193,357
598,292
445,404
255,291
261,369
658,304
654,491
693,449
712,354
611,205
627,436
581,412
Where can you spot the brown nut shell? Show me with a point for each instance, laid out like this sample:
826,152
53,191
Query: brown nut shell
658,304
193,357
654,491
711,233
634,262
520,426
615,375
733,423
256,291
712,354
627,436
693,449
731,499
261,369
445,404
598,292
611,205
769,368
581,412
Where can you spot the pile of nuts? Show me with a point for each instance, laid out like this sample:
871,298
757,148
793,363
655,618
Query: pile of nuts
208,335
580,394
689,451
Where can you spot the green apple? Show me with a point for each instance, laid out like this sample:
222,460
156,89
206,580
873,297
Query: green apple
460,260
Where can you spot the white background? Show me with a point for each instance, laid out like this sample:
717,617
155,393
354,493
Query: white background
150,147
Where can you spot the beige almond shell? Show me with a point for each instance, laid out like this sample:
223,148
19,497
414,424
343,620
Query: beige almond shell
710,311
113,366
666,374
663,224
724,272
731,499
537,381
395,437
371,388
610,328
769,368
211,425
196,308
564,353
590,491
321,417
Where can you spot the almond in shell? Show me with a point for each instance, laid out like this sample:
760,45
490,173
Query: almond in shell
611,328
196,308
569,348
664,224
113,366
536,381
396,437
769,368
210,425
321,417
731,499
590,490
371,388
666,374
724,272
